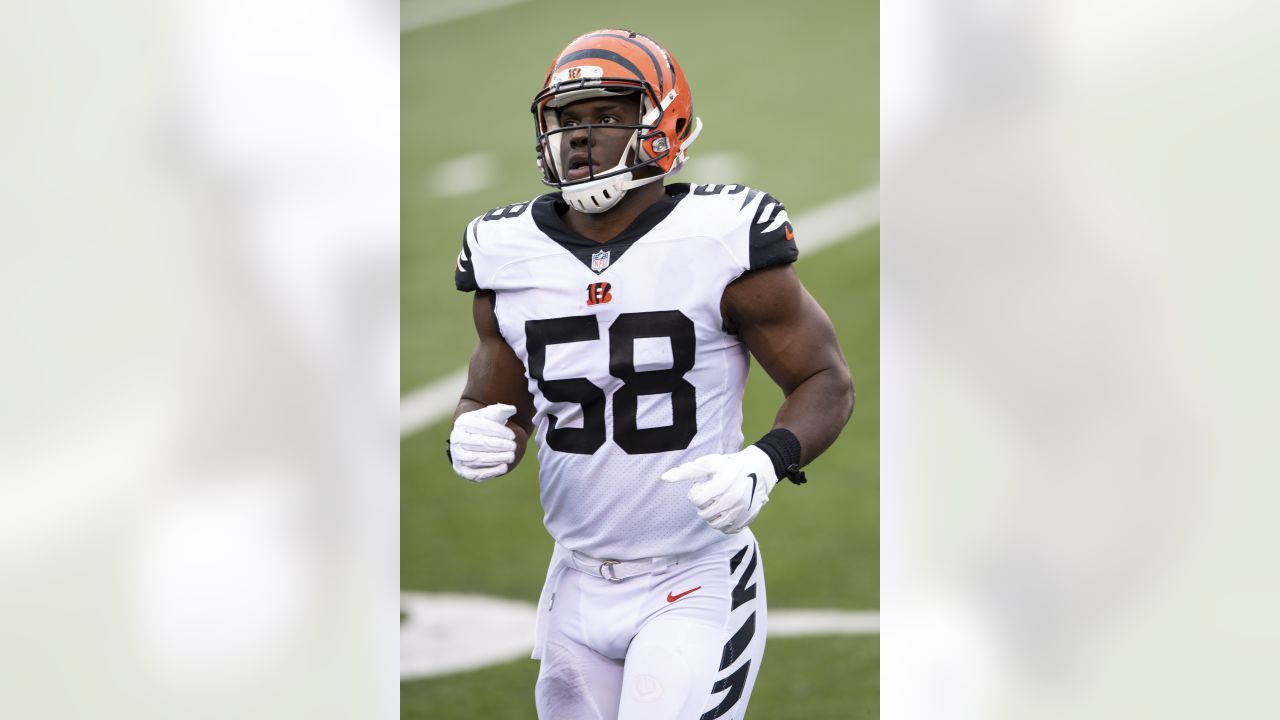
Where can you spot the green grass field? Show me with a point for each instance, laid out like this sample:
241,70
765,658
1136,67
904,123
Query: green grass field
791,90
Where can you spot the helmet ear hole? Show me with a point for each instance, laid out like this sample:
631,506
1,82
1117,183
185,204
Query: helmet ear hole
680,124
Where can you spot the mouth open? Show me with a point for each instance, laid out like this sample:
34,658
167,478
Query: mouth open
580,169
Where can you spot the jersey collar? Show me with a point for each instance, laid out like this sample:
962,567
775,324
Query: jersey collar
547,211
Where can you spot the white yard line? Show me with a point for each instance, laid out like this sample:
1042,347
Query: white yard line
840,219
713,167
801,623
418,14
432,403
463,175
444,633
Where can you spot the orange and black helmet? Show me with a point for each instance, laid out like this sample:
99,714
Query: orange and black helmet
613,62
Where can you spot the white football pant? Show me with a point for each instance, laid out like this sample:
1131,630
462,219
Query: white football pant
682,642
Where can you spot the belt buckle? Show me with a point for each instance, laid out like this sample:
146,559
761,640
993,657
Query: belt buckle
613,575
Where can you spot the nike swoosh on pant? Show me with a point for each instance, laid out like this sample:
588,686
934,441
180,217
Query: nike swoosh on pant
672,598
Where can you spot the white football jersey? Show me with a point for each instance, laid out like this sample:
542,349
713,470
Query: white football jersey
627,360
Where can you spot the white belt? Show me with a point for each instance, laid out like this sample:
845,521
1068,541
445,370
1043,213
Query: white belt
615,570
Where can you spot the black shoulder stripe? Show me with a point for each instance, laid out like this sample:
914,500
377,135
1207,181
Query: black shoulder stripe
464,275
771,237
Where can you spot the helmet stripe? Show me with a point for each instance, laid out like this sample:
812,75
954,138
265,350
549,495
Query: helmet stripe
657,67
601,55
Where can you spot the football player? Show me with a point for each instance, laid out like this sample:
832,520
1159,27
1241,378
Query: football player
616,316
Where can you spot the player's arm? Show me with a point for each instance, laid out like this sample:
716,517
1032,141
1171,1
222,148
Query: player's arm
793,340
494,417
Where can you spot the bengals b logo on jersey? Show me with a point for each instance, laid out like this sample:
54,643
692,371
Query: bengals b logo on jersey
598,293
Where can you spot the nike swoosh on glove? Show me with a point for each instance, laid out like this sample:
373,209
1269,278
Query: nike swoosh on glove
729,490
481,445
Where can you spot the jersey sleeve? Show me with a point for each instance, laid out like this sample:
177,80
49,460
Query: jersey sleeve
464,274
490,241
770,238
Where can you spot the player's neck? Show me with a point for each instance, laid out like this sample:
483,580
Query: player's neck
603,227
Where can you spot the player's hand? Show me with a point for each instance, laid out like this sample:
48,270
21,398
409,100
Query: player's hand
481,445
728,490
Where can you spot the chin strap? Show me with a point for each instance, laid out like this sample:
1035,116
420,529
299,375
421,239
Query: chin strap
592,198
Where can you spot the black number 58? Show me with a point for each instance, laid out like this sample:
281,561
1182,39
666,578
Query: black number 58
623,333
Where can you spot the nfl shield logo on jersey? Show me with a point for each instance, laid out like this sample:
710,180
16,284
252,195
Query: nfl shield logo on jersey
599,260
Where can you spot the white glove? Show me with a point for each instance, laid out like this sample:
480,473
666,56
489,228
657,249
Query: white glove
733,488
481,445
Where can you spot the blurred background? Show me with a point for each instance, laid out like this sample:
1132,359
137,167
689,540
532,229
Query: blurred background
198,481
1076,280
789,95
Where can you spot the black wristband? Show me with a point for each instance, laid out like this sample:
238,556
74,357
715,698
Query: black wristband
783,448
